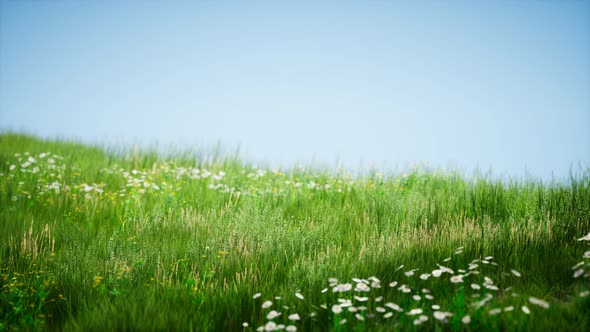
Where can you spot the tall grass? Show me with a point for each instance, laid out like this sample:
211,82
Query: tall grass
94,239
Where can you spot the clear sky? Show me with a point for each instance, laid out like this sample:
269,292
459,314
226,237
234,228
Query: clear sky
490,84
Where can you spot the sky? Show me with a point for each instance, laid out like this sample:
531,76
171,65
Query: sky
489,85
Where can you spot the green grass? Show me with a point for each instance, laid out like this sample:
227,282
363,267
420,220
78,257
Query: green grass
98,239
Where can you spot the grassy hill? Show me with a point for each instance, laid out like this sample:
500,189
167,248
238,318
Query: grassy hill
94,239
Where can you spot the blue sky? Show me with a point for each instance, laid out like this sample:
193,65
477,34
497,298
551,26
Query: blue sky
502,85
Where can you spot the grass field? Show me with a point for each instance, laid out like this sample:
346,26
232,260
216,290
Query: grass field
96,239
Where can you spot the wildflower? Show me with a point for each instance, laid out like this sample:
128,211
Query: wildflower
423,318
435,306
270,326
266,304
578,273
439,315
416,311
291,328
378,298
584,293
257,295
457,278
380,309
388,315
539,302
525,309
324,290
445,269
393,284
495,311
336,309
516,273
361,299
352,309
12,167
342,322
509,308
294,317
394,306
333,281
417,322
585,238
416,297
466,319
587,254
272,314
424,276
362,287
410,273
473,266
429,297
245,324
475,286
359,317
299,296
401,266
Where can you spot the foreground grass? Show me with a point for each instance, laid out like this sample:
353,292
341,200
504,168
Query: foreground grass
98,240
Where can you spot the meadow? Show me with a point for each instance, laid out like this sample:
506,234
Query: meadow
124,239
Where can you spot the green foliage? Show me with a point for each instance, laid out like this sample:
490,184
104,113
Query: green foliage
103,239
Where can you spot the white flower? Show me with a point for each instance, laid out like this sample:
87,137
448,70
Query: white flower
585,238
429,297
294,317
257,295
393,284
509,308
12,167
272,314
352,309
387,315
435,306
245,324
475,286
584,293
343,288
362,287
416,311
410,273
394,306
439,315
361,299
266,304
359,317
342,322
416,297
336,309
578,273
291,328
424,276
539,302
466,319
378,298
380,309
270,326
525,309
457,278
299,296
587,254
495,311
423,318
437,273
516,273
